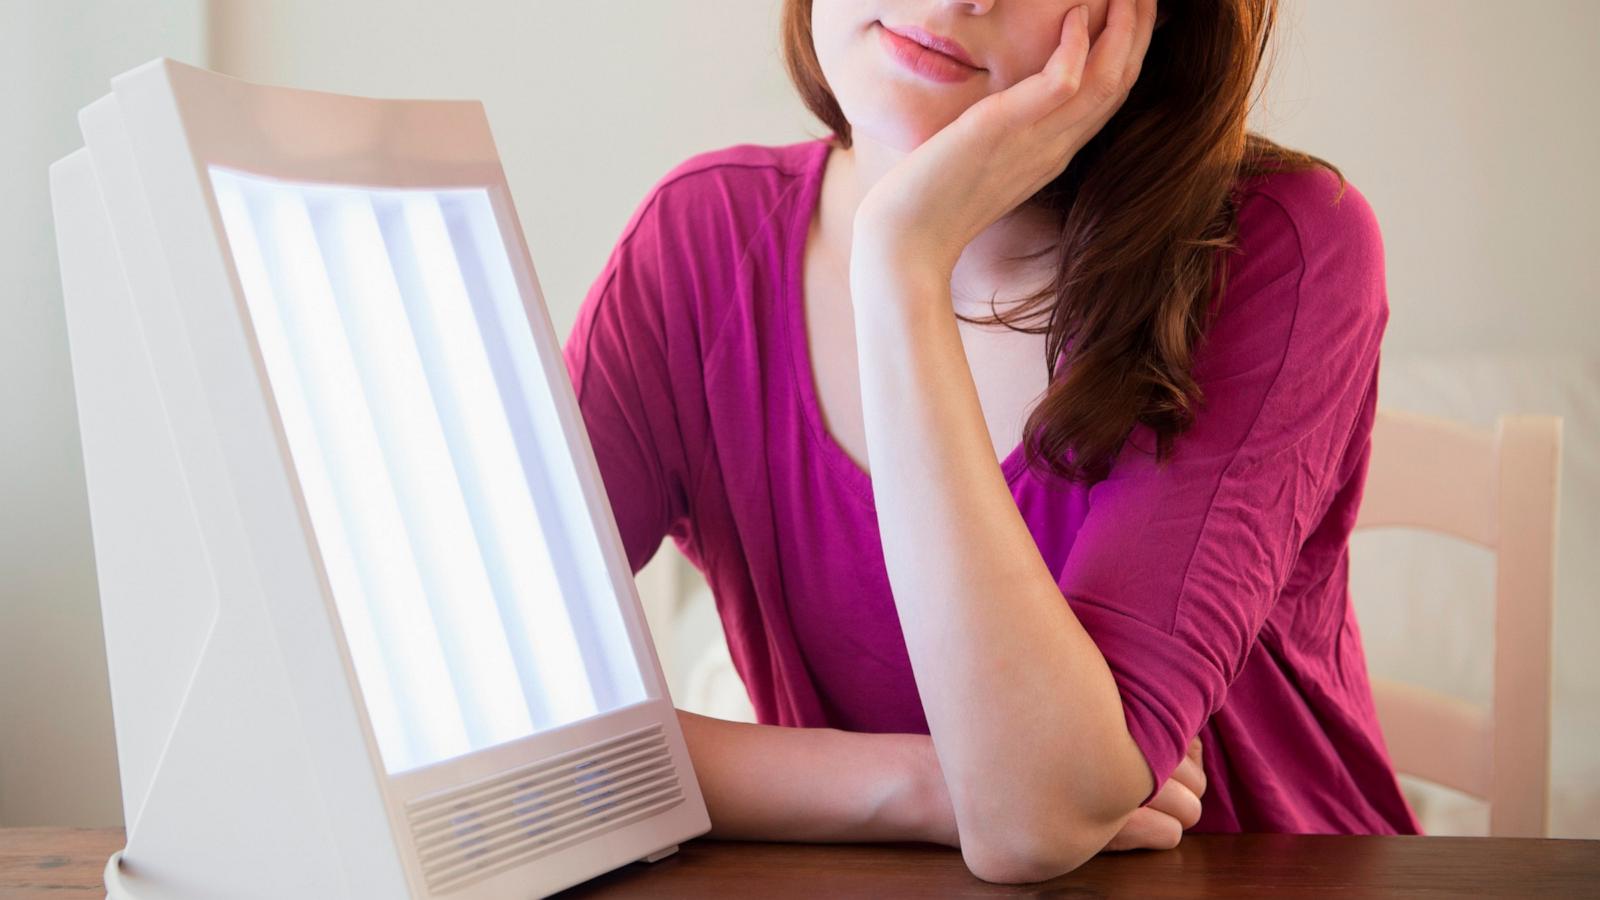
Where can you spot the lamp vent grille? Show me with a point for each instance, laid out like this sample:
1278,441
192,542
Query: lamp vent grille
470,832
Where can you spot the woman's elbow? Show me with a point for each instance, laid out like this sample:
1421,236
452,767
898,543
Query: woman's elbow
1053,838
1035,858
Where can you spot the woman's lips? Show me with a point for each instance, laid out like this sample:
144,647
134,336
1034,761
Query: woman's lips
928,63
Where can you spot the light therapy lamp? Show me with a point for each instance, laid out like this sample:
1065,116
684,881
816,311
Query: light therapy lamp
370,627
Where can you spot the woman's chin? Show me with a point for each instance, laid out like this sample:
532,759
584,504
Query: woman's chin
898,133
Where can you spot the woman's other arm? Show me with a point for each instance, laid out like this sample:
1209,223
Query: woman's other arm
779,783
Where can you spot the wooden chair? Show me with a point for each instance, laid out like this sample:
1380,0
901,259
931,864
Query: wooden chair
1496,488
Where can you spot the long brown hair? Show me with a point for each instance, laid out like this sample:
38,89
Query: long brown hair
1150,210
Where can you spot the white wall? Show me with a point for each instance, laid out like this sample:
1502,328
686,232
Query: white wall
1464,123
57,762
1472,128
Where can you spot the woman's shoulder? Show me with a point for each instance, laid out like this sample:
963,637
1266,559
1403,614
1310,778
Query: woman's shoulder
708,211
737,179
1309,247
697,231
748,160
1320,209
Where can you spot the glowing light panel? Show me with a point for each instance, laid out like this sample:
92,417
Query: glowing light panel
397,350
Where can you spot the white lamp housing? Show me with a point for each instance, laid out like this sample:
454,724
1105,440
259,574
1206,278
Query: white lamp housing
370,627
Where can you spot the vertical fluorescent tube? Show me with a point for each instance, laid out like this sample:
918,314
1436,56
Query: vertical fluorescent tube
443,313
535,422
360,476
405,414
378,684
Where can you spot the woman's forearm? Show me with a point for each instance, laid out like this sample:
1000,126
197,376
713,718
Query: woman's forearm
777,783
1004,667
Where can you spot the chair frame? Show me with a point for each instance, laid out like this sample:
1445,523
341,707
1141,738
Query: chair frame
1497,488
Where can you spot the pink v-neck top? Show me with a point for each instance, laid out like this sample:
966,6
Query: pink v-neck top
1216,587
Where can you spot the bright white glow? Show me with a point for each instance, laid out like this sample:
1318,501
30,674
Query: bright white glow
506,501
378,684
389,356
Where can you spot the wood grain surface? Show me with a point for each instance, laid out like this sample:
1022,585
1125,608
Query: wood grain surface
66,864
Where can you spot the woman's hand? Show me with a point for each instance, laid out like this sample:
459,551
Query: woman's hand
1007,146
1160,824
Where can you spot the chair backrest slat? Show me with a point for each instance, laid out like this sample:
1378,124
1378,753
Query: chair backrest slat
1495,488
1462,761
1432,474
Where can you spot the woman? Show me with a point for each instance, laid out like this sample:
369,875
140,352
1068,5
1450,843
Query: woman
1007,632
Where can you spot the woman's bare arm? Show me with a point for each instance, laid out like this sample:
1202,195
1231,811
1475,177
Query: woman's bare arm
777,783
825,785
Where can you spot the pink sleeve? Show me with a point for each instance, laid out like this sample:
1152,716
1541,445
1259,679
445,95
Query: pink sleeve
617,357
1176,568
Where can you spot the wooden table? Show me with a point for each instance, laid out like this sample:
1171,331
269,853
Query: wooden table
63,863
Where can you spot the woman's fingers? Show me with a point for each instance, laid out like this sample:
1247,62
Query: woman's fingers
1159,824
1108,59
1101,71
1175,799
1108,72
1044,92
1064,70
1191,772
1148,829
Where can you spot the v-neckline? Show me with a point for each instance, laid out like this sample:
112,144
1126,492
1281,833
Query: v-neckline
857,479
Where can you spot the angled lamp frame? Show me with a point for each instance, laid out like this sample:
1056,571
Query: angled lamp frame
251,763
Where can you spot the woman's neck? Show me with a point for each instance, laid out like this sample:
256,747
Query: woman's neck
982,270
